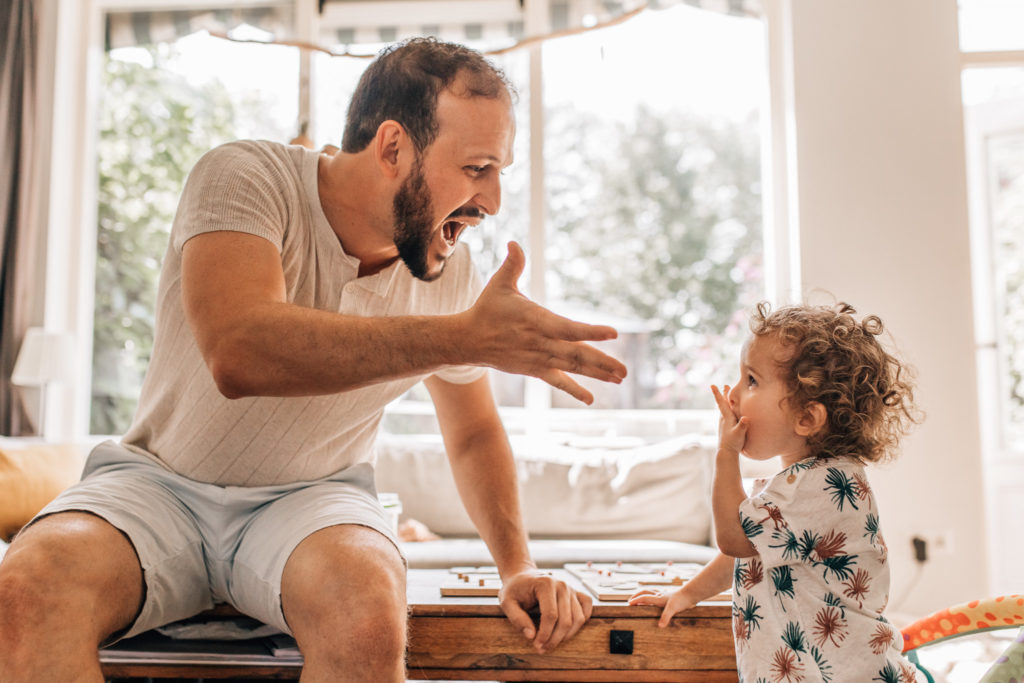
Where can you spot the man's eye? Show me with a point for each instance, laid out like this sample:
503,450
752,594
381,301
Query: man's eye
477,169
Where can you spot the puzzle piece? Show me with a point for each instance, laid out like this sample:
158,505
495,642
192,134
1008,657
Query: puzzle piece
618,581
481,582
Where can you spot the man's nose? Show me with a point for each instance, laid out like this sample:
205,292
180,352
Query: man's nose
488,199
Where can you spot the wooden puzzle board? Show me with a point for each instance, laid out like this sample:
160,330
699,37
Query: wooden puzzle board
618,581
477,582
607,581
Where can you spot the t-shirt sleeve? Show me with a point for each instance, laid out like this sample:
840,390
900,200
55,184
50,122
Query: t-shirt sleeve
807,515
469,289
233,187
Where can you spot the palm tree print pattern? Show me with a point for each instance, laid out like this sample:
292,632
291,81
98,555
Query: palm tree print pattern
858,586
807,607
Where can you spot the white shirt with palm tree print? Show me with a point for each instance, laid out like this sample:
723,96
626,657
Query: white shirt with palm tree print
808,607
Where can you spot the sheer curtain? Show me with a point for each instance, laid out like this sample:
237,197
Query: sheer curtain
19,210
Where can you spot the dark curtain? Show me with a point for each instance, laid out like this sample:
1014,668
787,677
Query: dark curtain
17,201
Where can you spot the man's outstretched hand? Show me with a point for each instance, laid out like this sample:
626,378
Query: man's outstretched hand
513,334
563,610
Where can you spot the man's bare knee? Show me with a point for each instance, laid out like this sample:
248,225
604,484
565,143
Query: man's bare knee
70,573
343,593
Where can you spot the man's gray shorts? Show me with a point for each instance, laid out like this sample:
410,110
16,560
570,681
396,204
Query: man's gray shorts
200,543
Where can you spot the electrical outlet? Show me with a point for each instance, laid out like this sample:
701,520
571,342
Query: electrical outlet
936,543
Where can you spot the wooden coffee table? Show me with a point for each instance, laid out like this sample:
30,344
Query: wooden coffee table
469,639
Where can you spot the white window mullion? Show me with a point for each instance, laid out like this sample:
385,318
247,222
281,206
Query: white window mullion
536,22
778,159
307,29
71,225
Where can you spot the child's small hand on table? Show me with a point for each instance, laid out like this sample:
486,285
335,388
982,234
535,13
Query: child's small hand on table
732,431
674,602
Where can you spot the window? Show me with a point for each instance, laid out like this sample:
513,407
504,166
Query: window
163,106
994,110
652,201
993,98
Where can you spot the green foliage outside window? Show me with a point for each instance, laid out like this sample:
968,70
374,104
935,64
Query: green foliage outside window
659,221
153,126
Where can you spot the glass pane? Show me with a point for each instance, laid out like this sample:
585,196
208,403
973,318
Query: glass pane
1006,187
991,25
994,107
655,217
334,81
162,107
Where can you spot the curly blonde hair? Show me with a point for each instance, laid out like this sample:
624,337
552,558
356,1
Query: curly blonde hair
832,359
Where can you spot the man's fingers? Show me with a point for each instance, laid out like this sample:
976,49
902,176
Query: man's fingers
520,619
548,605
563,618
584,606
563,610
512,267
561,381
586,603
579,618
571,330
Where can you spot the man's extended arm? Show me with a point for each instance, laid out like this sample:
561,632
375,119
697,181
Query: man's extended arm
257,344
485,475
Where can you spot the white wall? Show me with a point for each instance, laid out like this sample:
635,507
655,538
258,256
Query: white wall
878,157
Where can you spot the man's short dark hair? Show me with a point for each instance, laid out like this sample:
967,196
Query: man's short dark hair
403,82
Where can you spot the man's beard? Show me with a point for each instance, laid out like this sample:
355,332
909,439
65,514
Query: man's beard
413,224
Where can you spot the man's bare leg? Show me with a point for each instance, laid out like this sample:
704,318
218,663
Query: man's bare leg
67,583
343,595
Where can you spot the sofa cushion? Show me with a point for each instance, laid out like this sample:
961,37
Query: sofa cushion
30,477
552,553
660,491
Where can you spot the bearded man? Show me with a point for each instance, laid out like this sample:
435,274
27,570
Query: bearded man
302,292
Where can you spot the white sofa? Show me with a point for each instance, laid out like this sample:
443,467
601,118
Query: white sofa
639,504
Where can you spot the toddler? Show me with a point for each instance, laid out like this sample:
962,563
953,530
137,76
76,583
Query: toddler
805,554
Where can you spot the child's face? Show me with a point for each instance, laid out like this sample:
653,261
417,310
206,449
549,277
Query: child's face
760,396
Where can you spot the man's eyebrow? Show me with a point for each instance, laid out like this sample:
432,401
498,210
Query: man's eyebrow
491,158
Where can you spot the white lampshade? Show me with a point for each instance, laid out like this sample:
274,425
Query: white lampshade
44,357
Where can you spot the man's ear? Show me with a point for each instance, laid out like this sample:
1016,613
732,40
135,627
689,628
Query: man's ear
388,146
812,419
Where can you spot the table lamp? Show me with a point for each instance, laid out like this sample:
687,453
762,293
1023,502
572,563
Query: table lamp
45,357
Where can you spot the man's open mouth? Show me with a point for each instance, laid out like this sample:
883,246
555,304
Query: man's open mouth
450,230
458,221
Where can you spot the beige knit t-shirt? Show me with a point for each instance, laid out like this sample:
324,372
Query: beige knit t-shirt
270,190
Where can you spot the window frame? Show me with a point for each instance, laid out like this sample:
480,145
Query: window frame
1003,461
